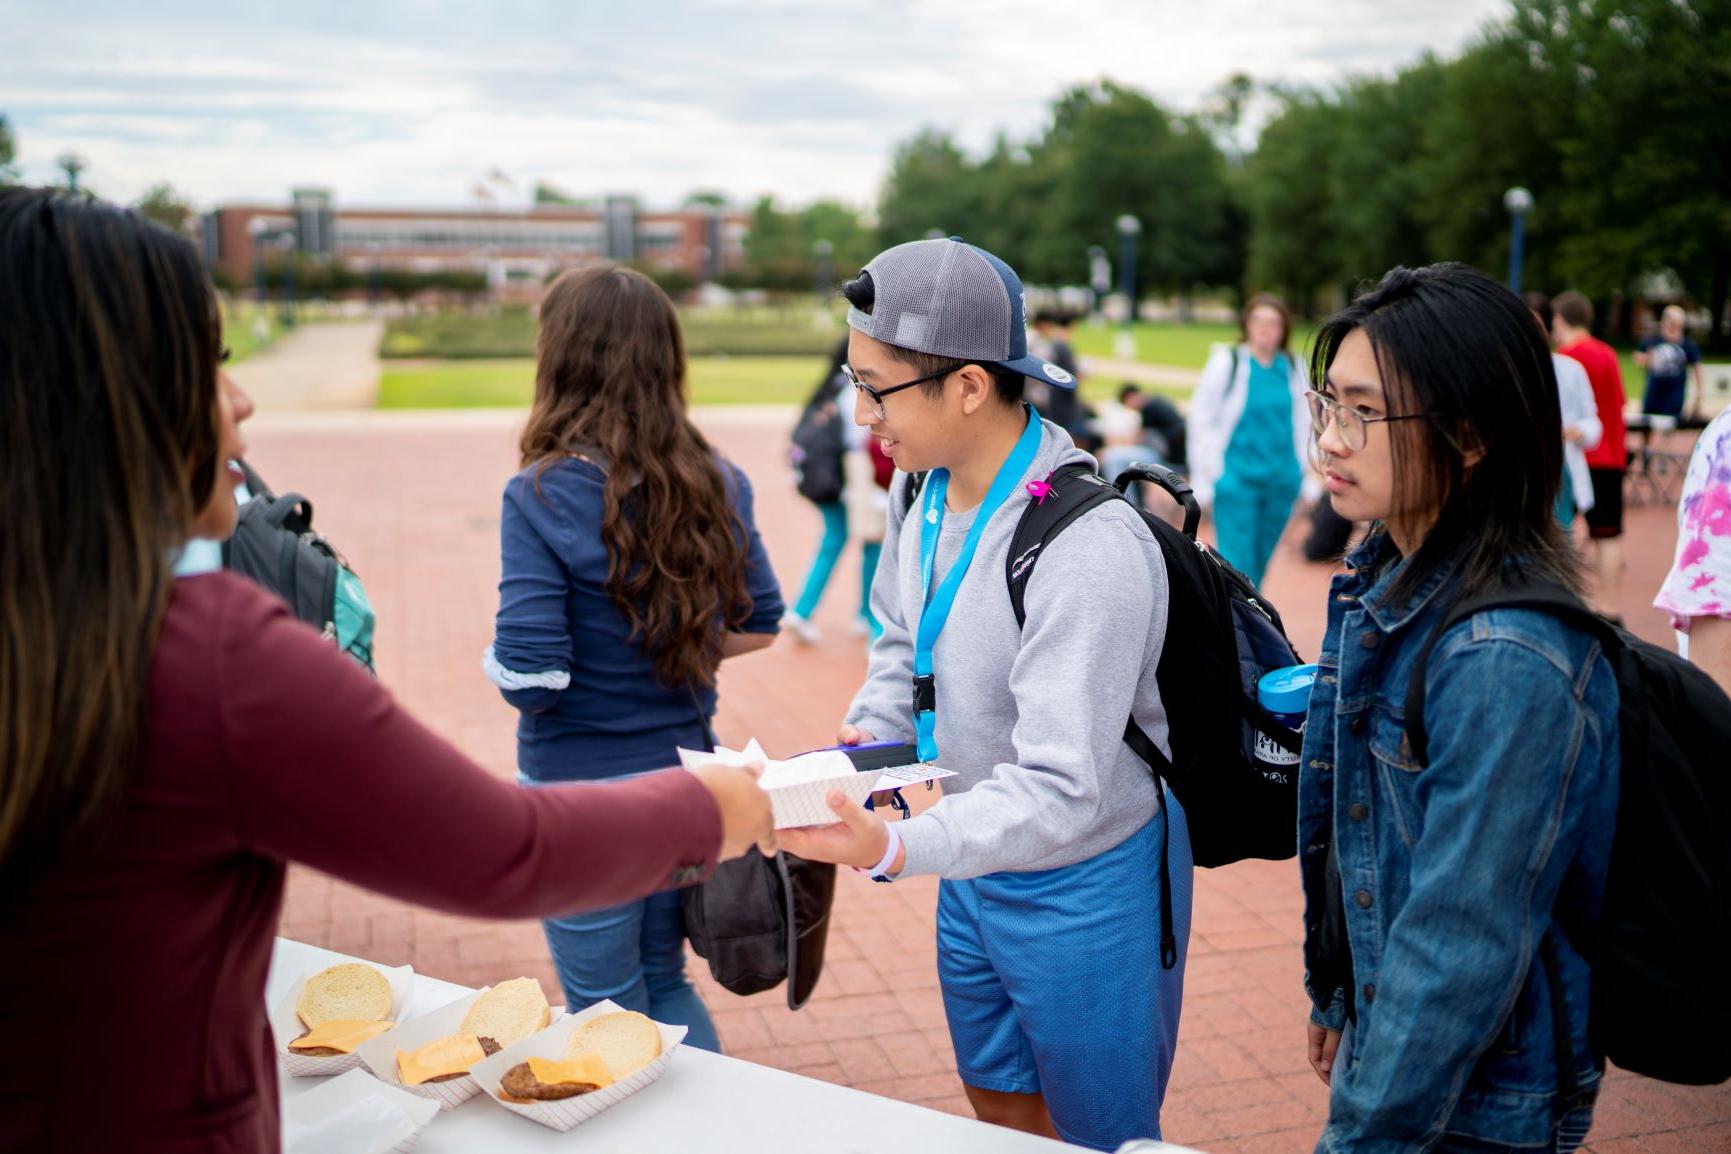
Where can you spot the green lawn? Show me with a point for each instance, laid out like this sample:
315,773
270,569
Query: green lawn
465,384
242,333
510,332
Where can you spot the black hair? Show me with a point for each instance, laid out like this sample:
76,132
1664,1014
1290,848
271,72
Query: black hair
862,294
1453,343
1540,305
1128,390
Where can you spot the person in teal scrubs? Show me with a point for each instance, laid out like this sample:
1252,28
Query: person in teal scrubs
1250,438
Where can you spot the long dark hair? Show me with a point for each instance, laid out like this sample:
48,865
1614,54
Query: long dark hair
610,378
1453,343
109,343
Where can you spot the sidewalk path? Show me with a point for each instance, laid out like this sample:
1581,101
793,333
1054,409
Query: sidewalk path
413,500
320,365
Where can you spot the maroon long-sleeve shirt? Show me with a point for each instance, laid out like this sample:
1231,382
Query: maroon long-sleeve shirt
132,973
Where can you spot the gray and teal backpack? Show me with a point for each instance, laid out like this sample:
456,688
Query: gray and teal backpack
274,544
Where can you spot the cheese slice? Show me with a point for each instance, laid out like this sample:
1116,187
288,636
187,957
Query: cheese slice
587,1068
338,1035
452,1055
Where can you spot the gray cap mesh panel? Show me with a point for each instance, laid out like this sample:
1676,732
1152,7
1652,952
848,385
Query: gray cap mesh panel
939,297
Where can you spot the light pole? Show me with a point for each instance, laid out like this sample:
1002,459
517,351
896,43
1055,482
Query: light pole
1099,276
1519,202
1129,228
823,278
72,164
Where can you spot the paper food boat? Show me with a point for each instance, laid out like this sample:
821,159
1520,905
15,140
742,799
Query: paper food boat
550,1043
380,1054
287,1025
799,787
366,1115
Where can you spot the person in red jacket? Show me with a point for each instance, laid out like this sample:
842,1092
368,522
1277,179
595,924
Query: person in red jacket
169,743
1571,318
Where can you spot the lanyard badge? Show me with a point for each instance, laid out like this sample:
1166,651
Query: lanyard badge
935,606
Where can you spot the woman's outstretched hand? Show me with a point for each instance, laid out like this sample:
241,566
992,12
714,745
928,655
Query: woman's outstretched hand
746,819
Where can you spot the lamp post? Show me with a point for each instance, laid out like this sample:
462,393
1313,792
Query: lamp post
72,164
1519,202
823,278
1099,276
1129,228
286,243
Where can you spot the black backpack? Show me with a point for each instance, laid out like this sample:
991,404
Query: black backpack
1660,1005
275,545
819,446
1221,637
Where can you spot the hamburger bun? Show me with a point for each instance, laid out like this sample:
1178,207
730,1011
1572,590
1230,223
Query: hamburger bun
351,992
626,1042
509,1012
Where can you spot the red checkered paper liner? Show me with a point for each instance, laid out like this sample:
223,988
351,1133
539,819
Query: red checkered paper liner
287,1025
550,1043
380,1054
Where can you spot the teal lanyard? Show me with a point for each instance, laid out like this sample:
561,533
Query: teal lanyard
936,606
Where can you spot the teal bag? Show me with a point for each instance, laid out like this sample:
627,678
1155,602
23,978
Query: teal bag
274,544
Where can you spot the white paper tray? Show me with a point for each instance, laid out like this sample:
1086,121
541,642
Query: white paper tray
550,1043
287,1026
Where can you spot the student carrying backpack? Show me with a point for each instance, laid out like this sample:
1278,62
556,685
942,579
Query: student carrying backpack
275,544
1049,839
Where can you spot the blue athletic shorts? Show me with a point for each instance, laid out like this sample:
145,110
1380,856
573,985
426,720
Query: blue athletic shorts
1053,985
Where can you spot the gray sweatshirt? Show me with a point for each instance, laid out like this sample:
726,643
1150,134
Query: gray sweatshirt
1032,721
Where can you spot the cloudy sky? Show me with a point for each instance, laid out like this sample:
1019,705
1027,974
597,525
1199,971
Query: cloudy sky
417,101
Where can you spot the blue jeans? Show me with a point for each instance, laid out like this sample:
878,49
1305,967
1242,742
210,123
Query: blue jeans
635,955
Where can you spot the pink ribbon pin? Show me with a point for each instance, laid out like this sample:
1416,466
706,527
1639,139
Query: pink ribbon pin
1041,489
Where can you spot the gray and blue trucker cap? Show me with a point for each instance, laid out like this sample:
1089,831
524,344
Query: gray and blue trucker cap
952,299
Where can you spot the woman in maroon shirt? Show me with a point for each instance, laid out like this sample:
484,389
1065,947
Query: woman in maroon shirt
166,746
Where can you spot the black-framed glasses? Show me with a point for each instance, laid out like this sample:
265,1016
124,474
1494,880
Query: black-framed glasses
1354,426
876,396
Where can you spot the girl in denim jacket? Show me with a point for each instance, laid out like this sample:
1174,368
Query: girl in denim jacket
1434,892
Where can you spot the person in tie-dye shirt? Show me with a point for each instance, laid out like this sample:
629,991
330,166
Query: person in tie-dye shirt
1697,593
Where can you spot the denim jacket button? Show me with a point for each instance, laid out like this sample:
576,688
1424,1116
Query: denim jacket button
1370,641
1369,993
1362,899
1358,811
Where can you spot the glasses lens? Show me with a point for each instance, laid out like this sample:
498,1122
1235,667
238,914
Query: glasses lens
1352,429
1318,414
874,403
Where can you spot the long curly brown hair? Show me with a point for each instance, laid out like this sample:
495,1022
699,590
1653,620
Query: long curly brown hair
610,381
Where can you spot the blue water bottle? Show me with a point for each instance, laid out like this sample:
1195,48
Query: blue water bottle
1286,694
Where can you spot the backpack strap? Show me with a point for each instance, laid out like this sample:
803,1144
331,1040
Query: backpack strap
911,490
1545,597
1076,488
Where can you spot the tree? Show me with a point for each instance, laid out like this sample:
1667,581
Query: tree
1289,194
932,187
551,194
8,150
162,204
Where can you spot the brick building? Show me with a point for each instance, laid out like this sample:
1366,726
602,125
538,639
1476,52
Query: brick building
517,248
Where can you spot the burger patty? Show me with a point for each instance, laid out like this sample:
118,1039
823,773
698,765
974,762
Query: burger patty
520,1082
314,1051
488,1047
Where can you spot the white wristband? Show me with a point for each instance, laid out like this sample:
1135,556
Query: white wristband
882,869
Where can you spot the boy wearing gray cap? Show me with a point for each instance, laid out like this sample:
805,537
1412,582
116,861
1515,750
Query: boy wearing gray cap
1047,841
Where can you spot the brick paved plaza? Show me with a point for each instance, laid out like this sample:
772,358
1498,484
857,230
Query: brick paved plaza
414,499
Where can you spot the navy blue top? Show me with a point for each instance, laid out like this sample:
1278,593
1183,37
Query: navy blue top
555,617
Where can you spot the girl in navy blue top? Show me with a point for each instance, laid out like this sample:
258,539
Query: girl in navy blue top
631,569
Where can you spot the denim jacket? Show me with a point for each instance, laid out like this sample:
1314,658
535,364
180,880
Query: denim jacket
1451,875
